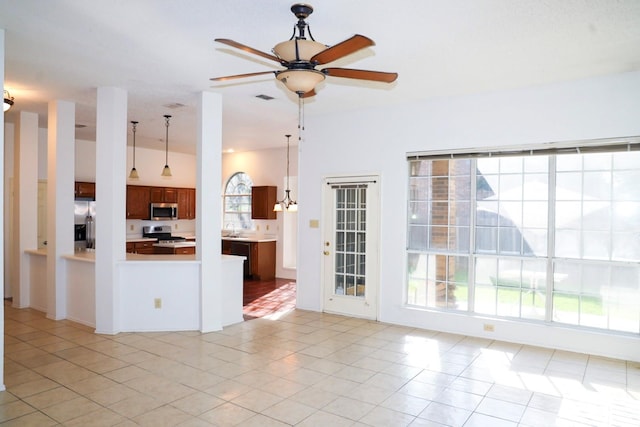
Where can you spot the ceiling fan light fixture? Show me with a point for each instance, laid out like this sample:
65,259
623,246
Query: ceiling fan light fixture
300,81
8,100
298,50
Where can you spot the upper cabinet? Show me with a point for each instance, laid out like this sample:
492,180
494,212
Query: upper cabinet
262,200
85,190
164,195
140,196
186,203
138,202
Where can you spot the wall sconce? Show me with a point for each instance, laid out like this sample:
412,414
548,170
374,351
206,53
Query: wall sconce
8,100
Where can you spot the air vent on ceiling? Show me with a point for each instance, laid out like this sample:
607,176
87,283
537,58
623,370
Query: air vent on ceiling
265,97
174,105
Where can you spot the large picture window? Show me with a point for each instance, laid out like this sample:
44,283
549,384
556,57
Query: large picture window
549,235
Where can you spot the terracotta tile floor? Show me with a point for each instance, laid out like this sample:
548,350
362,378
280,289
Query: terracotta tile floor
268,298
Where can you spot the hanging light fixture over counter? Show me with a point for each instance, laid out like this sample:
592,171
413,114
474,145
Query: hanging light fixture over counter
134,173
287,203
166,171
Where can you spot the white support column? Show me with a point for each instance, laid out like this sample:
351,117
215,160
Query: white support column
111,159
2,214
208,209
60,189
25,213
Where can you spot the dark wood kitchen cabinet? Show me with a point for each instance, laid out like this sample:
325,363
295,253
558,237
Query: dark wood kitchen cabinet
138,202
85,190
186,203
262,200
164,195
146,248
263,260
260,262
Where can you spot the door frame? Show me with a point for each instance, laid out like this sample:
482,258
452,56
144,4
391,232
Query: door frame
373,256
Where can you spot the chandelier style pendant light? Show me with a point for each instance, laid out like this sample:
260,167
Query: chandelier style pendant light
134,172
8,100
166,171
287,203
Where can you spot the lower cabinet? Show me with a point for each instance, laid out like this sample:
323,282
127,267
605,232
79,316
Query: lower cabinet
147,248
140,248
260,262
189,250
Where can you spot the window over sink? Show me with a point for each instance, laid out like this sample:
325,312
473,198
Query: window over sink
237,203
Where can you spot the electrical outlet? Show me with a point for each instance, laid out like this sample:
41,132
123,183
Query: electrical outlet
257,228
488,327
131,227
267,227
157,303
176,226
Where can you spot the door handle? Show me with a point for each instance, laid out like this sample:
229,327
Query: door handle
326,252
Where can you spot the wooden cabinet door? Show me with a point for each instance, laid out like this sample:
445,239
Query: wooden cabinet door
263,260
262,200
138,198
190,250
164,195
156,194
192,203
170,195
186,203
85,190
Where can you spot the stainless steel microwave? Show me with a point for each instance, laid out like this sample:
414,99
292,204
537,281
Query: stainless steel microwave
163,211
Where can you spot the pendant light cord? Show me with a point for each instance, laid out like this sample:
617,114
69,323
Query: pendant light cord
133,128
166,151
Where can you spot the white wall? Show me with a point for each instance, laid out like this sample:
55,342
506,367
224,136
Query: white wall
377,141
149,164
266,167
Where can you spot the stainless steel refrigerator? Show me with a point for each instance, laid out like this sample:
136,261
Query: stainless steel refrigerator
84,224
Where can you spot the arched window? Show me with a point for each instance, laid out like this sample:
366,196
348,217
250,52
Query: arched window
237,202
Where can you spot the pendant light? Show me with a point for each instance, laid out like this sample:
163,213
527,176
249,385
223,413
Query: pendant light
8,100
166,171
287,203
134,173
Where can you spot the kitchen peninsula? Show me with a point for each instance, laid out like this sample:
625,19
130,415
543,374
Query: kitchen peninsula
259,253
155,289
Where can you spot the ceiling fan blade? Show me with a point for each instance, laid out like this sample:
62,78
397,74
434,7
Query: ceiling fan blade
376,76
309,94
341,49
246,48
239,76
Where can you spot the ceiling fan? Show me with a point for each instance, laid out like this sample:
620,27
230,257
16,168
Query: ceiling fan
300,57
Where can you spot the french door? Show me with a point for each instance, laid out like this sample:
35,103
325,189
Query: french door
350,271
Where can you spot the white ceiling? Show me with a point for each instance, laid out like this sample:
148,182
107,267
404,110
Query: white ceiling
162,52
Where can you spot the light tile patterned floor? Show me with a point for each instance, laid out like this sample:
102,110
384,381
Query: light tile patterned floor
303,369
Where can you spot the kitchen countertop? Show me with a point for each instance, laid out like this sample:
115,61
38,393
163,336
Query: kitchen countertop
250,239
141,239
85,256
174,245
